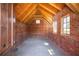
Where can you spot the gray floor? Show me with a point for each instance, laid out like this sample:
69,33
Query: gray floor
38,46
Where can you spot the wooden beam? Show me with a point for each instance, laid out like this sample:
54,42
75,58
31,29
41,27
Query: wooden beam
30,16
58,6
29,12
76,6
24,10
20,7
42,18
40,8
71,7
46,12
19,10
49,19
48,8
47,15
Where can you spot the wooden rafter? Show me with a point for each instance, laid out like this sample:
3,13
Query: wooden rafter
31,15
24,10
71,7
76,6
58,6
46,13
49,19
48,8
29,12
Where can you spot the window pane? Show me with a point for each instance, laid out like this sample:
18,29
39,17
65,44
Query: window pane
64,30
64,26
37,21
68,18
55,26
68,30
68,26
64,19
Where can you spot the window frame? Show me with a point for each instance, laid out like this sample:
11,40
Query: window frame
65,30
37,21
55,26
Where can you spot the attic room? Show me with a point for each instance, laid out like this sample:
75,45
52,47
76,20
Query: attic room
39,29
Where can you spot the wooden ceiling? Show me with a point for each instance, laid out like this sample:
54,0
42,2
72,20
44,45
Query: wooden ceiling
26,12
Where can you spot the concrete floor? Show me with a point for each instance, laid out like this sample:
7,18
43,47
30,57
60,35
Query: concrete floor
38,46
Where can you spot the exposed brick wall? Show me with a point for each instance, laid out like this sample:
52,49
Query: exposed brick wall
20,32
39,29
69,43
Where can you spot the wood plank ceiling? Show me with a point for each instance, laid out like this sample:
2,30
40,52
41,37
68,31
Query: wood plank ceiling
26,12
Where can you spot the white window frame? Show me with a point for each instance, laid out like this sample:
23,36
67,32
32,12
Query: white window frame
55,26
65,25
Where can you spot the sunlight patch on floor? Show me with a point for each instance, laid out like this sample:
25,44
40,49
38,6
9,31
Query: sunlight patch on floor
46,44
51,52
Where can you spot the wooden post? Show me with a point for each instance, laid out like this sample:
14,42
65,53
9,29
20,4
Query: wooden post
12,25
0,27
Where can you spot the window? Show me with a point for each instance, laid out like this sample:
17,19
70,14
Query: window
37,21
66,25
55,26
